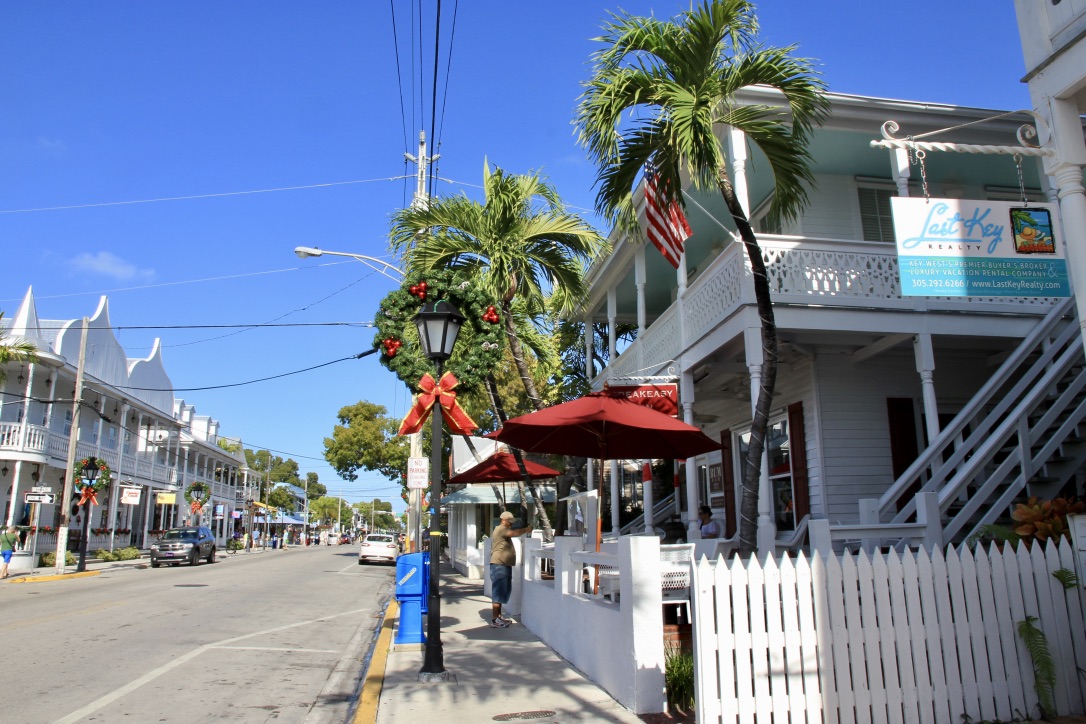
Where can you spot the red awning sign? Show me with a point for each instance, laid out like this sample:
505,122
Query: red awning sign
662,398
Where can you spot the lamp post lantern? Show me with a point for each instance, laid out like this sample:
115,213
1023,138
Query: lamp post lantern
90,472
438,324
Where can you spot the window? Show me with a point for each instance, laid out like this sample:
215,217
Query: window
67,422
780,472
875,216
112,444
127,442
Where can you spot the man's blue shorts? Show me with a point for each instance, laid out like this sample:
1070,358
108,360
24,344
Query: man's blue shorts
7,556
501,582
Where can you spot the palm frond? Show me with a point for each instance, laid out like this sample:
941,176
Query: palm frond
1044,667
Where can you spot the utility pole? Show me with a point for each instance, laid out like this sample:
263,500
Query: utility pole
422,198
73,441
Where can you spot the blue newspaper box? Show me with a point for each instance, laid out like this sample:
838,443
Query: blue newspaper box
412,585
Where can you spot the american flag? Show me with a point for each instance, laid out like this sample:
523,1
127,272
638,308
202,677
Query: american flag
667,230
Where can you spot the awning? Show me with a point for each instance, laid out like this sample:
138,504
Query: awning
483,494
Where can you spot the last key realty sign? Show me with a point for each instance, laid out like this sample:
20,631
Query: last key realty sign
970,248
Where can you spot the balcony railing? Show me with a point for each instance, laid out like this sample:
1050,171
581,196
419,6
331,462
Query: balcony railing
802,271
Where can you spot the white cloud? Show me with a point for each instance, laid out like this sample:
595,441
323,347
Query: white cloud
52,146
110,265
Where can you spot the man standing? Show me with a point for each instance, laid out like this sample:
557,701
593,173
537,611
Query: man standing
503,556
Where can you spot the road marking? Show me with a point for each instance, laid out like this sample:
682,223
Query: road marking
276,649
370,697
65,616
184,658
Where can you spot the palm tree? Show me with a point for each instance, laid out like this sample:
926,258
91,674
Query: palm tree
12,351
678,83
528,251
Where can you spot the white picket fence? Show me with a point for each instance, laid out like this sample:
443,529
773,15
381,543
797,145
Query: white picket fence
885,638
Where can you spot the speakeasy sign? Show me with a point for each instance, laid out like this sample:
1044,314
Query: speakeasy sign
970,248
662,398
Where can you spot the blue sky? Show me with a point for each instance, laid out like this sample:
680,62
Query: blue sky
113,102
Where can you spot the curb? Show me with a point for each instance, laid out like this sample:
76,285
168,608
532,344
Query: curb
368,700
63,577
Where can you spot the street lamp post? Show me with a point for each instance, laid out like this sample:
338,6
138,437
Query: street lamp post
438,324
90,472
379,266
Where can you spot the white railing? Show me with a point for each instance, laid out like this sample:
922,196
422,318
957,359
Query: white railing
885,638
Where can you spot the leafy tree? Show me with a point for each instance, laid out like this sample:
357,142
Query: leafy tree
280,499
312,487
678,82
366,439
13,351
328,509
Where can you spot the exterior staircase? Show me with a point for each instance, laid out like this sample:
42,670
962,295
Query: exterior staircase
1022,434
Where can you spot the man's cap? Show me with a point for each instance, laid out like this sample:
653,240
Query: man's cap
506,515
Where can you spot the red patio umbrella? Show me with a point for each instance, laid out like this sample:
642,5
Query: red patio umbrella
604,427
500,468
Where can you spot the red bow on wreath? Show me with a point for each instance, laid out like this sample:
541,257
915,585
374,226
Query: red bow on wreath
196,506
88,495
443,392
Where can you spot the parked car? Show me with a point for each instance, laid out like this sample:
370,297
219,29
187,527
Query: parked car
345,539
178,545
378,547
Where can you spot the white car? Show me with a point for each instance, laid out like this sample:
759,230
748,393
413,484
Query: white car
378,547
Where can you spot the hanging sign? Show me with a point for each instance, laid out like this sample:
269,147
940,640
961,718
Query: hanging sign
166,498
219,510
662,398
130,495
970,248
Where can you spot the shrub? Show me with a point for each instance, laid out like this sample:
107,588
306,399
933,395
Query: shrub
103,555
233,545
130,553
48,560
679,679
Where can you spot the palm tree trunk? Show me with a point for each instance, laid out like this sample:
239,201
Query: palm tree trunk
752,466
517,351
493,486
499,410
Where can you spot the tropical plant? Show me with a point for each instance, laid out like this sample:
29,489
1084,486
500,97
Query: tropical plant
1044,666
49,559
14,351
528,250
1038,519
679,678
678,83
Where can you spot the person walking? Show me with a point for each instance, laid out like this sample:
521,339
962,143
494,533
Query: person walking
503,556
8,540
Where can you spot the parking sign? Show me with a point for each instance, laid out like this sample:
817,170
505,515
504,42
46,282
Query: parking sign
418,473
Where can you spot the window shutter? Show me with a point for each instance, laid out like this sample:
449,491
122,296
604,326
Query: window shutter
727,467
875,216
797,450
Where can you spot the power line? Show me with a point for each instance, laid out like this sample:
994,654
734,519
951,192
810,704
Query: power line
197,196
250,382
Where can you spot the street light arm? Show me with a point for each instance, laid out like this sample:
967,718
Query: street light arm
378,265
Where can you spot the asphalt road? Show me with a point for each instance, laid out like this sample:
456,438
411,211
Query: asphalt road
273,636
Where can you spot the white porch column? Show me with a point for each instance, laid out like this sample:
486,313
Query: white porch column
899,169
646,494
925,367
686,394
639,281
612,313
16,474
588,347
115,484
767,527
737,152
616,497
1066,169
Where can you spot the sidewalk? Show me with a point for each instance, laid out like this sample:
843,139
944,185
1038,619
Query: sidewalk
95,567
494,674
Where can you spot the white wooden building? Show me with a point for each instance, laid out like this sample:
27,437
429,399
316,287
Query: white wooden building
129,418
868,377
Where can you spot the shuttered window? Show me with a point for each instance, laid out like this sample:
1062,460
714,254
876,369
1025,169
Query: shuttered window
875,215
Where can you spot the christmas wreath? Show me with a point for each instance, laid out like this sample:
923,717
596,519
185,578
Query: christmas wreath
100,482
478,348
196,495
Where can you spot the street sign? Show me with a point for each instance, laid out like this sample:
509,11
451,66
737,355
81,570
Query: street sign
418,473
44,498
41,489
